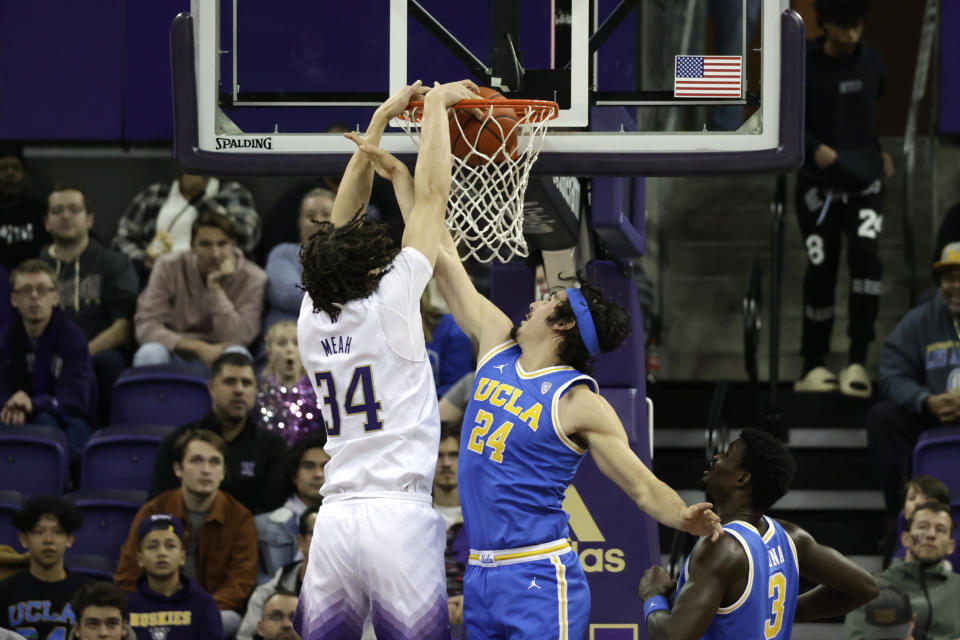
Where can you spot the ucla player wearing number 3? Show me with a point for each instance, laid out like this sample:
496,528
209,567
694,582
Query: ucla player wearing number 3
379,541
744,586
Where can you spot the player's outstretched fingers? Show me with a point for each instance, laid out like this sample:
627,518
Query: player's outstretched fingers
702,521
355,137
384,163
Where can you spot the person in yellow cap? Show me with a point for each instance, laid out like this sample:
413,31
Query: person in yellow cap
919,383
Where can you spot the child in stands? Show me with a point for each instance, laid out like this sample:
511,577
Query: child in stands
286,401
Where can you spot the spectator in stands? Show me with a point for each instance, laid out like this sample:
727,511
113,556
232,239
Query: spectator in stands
167,603
949,231
22,234
101,612
279,529
283,264
255,457
919,383
934,590
98,287
199,301
453,404
161,217
286,402
446,500
840,191
36,602
46,374
286,578
919,490
221,554
277,620
449,348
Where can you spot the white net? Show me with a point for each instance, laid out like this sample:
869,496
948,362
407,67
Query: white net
485,209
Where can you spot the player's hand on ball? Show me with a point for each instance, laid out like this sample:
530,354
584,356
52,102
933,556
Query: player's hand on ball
700,520
397,103
453,92
656,582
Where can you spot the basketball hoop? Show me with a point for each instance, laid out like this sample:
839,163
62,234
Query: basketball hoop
492,157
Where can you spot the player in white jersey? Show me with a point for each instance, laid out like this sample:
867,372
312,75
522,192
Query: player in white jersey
379,542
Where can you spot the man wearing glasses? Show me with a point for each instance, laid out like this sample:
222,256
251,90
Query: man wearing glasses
46,374
276,623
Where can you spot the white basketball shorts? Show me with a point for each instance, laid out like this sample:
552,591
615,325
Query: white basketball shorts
376,557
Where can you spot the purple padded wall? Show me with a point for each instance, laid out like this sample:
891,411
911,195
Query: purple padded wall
61,70
949,70
511,288
622,367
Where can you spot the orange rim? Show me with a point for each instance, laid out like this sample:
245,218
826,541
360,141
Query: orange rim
541,109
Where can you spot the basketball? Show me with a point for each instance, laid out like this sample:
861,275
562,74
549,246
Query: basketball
494,136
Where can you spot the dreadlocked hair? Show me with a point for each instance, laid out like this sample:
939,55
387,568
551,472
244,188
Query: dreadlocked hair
345,263
612,323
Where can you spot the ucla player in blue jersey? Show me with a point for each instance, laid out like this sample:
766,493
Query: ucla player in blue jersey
533,415
745,585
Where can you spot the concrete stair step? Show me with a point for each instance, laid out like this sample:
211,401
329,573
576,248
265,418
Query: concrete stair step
716,334
706,257
718,294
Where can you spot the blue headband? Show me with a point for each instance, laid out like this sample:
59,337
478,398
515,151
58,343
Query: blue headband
581,311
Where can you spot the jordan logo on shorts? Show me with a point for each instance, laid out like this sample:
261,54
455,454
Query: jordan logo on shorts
499,367
534,585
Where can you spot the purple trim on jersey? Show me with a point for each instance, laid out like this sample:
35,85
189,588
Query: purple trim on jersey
338,620
431,623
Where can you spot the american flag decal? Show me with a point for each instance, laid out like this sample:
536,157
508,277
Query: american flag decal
708,77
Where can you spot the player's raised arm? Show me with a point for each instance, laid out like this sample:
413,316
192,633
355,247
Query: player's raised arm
479,318
390,168
431,183
357,181
842,585
589,416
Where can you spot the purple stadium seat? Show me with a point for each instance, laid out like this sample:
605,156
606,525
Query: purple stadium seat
121,457
158,395
96,567
107,515
9,503
33,459
936,454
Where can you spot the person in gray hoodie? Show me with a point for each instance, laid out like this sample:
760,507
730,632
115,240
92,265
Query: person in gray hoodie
98,287
934,589
919,384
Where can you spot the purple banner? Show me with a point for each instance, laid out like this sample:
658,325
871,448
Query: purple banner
615,540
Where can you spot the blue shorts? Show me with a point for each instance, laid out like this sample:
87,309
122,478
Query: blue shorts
544,599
